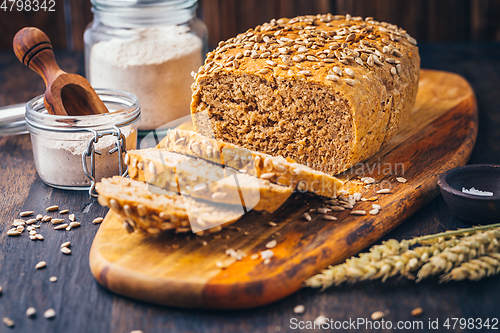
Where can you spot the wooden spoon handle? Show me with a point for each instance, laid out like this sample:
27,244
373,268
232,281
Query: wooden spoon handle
33,48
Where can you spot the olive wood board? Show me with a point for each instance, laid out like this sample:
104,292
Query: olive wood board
179,270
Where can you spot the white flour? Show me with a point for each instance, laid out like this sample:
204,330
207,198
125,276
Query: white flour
156,67
60,162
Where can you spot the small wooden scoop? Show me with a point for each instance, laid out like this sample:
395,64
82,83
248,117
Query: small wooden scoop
66,94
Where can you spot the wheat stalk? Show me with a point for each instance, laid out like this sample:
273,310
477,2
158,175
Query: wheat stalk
436,254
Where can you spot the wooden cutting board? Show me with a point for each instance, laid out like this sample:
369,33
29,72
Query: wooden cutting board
180,270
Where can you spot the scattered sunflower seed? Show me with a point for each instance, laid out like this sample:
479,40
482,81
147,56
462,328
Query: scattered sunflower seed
319,320
267,254
417,312
64,211
52,208
254,256
75,224
377,315
1,290
271,244
31,312
307,216
273,224
26,213
18,223
49,314
13,232
71,217
401,179
46,218
8,322
221,264
323,210
57,221
39,217
97,220
53,279
65,244
358,212
374,211
31,221
61,226
329,217
299,309
65,250
383,191
267,261
368,180
41,264
39,237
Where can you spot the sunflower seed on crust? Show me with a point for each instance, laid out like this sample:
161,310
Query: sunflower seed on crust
52,208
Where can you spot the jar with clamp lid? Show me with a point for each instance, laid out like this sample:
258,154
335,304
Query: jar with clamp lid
73,152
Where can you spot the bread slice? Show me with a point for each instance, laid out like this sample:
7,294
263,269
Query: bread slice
275,169
326,91
200,179
152,209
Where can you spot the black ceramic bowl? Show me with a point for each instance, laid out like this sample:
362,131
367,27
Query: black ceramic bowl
469,207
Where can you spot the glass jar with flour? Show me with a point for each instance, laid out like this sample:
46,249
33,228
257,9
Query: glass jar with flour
149,48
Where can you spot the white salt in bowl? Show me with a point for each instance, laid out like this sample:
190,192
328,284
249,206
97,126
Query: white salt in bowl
62,145
478,209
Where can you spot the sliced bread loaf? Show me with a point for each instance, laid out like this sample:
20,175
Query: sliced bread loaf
152,209
275,169
200,179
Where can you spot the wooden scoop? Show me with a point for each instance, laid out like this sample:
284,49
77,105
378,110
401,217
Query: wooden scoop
66,94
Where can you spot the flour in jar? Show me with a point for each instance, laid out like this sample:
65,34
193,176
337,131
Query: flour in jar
59,162
155,65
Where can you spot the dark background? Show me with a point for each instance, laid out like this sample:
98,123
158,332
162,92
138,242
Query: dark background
426,20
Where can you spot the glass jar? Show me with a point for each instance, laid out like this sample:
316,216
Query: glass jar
70,152
150,48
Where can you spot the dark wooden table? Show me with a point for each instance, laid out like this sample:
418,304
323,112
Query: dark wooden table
83,306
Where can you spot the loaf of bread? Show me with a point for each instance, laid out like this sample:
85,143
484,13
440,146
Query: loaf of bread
275,169
151,209
200,179
326,91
